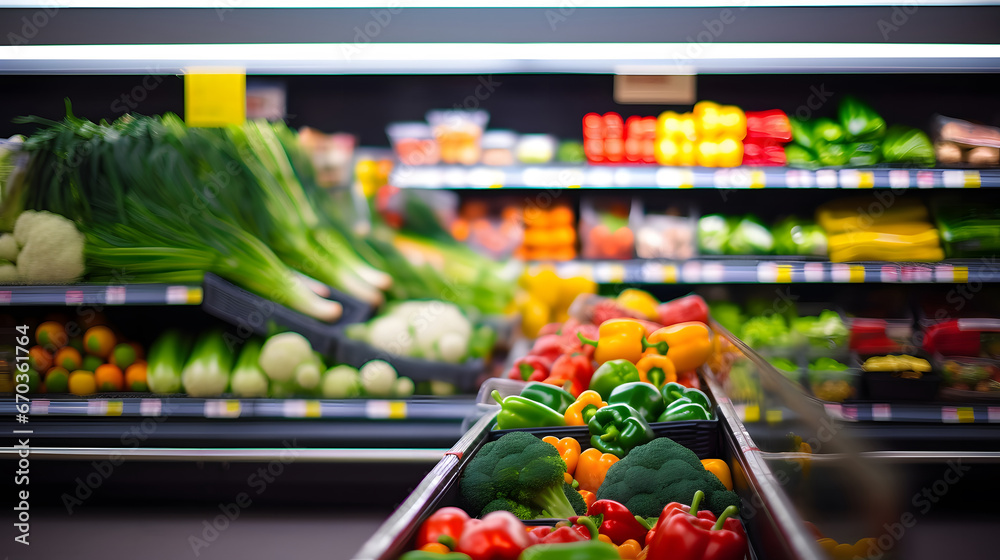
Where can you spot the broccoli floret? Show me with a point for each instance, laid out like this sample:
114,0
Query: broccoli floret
657,473
521,511
575,499
520,469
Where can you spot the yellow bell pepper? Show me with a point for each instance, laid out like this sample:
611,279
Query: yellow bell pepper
592,468
579,413
720,152
688,345
534,315
666,151
569,450
618,339
720,469
629,550
639,301
715,120
656,369
687,155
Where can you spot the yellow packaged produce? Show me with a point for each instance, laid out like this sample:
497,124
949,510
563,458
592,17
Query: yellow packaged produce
869,213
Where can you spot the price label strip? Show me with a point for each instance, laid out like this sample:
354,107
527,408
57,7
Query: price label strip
385,410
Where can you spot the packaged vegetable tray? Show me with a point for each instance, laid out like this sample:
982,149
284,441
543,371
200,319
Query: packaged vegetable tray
898,382
969,379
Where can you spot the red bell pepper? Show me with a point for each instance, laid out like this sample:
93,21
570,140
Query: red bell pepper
576,368
770,125
579,529
530,368
683,310
760,152
444,526
685,537
668,534
618,524
497,536
551,346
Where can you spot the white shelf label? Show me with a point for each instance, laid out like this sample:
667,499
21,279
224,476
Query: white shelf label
713,273
600,178
115,295
150,407
834,410
652,272
993,414
925,179
623,177
669,177
222,409
97,408
953,178
890,274
945,274
850,178
721,179
767,272
382,410
40,407
486,177
799,179
814,272
881,412
74,297
826,179
899,179
691,272
177,295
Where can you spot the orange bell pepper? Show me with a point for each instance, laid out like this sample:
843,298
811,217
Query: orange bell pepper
588,497
579,413
688,345
629,550
618,339
592,468
656,369
720,469
569,450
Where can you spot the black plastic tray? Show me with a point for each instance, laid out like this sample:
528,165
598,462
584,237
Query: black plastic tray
882,385
700,436
464,376
248,311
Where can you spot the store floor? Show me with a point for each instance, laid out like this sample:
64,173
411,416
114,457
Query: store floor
173,534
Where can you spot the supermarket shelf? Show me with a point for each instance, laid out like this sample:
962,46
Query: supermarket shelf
776,270
102,294
419,409
915,412
657,177
394,455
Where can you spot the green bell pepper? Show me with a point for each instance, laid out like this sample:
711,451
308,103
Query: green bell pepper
801,157
425,555
679,411
832,154
556,398
827,130
903,144
644,397
802,133
611,374
580,550
863,154
617,428
519,412
673,391
860,121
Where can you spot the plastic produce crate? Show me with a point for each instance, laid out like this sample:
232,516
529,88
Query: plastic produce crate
247,310
440,488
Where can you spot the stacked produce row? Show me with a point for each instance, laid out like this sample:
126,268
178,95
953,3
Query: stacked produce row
837,357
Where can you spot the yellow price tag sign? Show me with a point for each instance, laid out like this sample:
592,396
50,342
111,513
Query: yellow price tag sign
961,274
215,96
784,275
115,408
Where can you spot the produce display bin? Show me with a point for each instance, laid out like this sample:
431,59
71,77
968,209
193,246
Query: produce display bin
769,535
248,311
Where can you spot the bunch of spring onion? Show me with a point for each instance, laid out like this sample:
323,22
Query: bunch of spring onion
153,211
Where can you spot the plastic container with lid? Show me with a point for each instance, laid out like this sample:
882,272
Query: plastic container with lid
899,385
413,143
963,337
830,384
885,327
498,147
458,134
